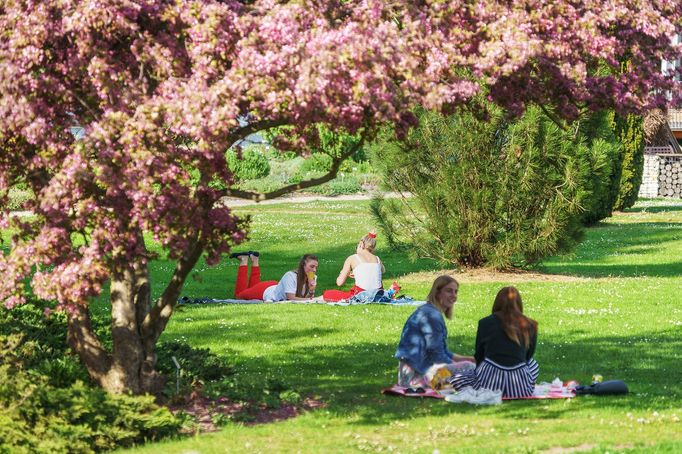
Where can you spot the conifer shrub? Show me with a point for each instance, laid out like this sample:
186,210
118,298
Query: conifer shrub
49,405
630,132
602,154
489,191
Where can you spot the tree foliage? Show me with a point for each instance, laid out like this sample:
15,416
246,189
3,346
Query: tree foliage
163,88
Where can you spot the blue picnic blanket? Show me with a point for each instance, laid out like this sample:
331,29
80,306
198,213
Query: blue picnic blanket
366,297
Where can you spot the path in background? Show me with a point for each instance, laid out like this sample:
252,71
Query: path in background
234,202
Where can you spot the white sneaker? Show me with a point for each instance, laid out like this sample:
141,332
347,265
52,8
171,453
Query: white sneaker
488,397
476,397
464,395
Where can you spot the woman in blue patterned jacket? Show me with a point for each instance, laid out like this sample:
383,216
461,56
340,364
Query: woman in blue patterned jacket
423,342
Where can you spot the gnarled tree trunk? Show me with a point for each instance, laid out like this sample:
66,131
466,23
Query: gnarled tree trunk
136,325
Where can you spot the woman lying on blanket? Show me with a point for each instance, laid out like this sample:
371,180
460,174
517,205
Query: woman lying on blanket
505,344
298,285
423,342
363,266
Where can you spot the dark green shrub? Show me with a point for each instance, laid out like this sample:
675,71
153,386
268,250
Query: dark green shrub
197,364
41,417
602,154
486,192
630,132
252,164
48,403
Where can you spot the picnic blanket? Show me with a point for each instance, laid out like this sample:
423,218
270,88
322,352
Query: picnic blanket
405,301
541,392
397,390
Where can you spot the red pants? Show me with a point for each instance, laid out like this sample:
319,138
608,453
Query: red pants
254,289
332,296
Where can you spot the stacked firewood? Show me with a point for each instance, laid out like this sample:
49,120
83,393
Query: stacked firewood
670,176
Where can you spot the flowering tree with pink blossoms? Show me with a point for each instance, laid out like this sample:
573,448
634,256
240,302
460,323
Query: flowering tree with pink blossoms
162,88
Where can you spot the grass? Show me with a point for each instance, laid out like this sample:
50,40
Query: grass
619,316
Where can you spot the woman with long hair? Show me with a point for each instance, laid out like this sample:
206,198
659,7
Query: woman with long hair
505,345
363,266
423,342
295,285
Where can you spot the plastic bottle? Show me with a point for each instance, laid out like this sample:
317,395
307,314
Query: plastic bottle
393,290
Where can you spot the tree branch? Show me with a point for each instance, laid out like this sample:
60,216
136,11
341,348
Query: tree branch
244,131
261,196
556,120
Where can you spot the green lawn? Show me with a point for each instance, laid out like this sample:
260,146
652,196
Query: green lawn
620,316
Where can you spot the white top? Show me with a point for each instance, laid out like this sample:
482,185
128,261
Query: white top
368,275
279,292
285,285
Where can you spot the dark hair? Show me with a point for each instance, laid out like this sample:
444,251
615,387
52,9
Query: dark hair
508,307
301,278
438,284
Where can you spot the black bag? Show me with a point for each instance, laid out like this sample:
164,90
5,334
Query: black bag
610,387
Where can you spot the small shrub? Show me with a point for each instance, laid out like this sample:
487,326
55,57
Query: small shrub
317,162
630,131
349,185
252,164
39,417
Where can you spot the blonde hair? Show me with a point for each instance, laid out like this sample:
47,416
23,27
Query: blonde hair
369,241
438,284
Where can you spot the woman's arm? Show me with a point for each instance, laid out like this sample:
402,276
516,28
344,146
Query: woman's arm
345,271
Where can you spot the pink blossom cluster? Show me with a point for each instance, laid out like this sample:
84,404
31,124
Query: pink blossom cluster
164,88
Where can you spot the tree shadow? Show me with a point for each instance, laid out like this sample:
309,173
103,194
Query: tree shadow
349,377
653,209
599,255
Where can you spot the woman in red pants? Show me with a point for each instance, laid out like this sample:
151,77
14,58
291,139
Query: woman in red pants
295,285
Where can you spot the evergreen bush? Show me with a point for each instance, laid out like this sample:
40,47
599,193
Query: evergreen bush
630,132
491,191
602,154
48,403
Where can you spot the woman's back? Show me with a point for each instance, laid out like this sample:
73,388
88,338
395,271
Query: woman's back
367,272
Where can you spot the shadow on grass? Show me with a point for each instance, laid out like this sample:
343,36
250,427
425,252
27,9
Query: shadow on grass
349,377
653,209
598,255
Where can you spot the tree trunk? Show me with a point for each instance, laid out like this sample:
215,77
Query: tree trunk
130,366
136,325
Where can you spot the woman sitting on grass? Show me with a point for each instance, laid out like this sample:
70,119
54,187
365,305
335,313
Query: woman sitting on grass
298,285
423,342
505,344
363,266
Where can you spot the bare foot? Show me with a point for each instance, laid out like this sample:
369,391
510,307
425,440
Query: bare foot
254,260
